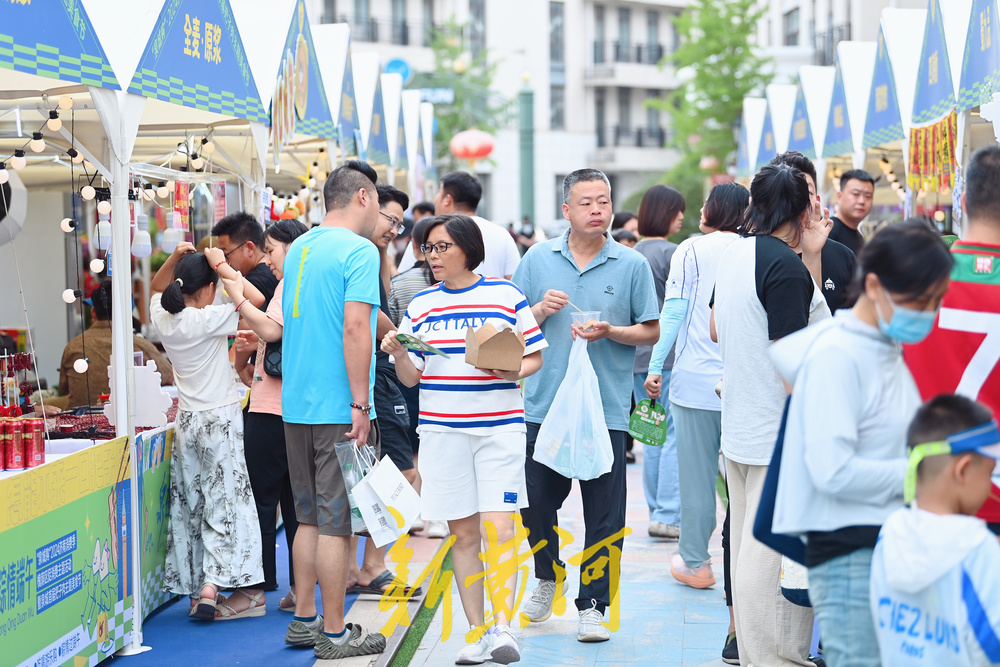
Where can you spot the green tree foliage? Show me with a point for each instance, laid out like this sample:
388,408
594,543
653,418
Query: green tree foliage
475,105
715,48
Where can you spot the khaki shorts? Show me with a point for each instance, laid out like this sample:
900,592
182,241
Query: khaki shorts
316,478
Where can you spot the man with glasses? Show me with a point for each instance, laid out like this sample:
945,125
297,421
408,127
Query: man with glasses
239,237
373,577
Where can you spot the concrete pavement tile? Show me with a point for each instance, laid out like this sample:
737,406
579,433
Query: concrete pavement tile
700,657
703,635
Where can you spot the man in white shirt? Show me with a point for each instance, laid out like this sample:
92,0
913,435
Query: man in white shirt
460,192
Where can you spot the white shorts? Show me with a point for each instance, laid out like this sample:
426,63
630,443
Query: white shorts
463,474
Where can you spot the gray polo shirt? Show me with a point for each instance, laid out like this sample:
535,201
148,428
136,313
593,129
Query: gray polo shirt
619,283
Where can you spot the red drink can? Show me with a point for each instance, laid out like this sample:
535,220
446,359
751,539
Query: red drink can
13,448
4,437
33,440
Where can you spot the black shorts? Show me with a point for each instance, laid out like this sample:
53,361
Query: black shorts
393,420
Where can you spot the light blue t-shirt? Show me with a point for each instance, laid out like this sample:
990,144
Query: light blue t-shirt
619,283
323,269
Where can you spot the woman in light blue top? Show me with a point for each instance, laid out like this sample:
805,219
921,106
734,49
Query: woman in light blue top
844,457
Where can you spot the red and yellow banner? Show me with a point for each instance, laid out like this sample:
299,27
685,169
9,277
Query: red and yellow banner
932,155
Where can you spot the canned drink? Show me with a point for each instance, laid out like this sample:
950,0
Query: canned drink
33,439
4,436
13,450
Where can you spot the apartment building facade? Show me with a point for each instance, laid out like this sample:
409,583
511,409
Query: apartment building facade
591,66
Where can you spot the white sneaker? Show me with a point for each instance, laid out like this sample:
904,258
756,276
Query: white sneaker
539,606
505,646
591,629
660,529
437,529
477,653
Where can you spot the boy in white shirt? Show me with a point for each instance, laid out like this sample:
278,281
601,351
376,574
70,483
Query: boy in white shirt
935,580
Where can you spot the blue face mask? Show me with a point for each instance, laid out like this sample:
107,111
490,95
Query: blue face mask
907,325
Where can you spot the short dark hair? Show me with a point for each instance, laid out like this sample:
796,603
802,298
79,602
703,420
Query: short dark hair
800,162
909,258
464,188
240,227
388,193
465,233
425,207
778,194
285,231
621,234
982,184
725,207
583,176
419,233
658,208
945,415
856,175
621,218
346,180
100,300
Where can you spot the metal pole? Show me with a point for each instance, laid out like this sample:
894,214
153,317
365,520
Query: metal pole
526,105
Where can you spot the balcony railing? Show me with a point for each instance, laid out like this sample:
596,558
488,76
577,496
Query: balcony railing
639,137
826,43
385,31
624,52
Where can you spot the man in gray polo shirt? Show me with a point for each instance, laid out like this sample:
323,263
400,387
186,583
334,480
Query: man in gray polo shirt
593,271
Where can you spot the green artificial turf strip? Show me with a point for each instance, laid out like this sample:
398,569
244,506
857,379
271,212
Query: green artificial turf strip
419,625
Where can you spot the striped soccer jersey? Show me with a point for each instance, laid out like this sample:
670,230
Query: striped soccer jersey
453,394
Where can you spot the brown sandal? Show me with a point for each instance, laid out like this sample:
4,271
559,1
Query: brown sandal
205,610
224,612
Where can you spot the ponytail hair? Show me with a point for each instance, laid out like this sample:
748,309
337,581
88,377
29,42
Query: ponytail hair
778,194
191,274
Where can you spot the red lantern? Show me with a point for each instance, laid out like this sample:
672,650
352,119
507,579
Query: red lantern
471,145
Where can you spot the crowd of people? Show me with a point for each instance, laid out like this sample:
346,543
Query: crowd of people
779,337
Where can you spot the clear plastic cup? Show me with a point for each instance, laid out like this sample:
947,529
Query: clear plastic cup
586,319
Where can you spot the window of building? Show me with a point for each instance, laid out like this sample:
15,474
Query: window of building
427,16
625,108
624,34
399,31
477,27
556,32
791,27
653,49
599,35
329,11
600,100
362,11
557,107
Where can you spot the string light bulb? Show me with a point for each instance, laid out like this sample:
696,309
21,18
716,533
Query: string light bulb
70,295
88,192
142,245
197,162
81,365
97,265
103,233
171,235
67,225
939,215
53,123
65,102
75,156
161,190
104,207
37,143
207,146
17,162
4,174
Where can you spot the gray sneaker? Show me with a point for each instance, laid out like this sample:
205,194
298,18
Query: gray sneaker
477,652
539,606
505,646
358,643
304,634
591,629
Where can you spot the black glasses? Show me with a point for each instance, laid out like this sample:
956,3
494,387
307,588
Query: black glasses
396,224
439,248
227,254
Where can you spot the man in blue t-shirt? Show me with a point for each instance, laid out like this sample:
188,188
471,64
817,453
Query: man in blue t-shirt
588,268
329,305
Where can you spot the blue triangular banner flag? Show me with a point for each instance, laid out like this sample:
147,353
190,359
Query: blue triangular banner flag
839,140
884,122
935,96
801,137
981,62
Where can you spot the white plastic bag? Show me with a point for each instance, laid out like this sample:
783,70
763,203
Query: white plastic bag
388,503
355,463
573,439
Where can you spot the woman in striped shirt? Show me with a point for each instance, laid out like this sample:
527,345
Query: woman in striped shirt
471,421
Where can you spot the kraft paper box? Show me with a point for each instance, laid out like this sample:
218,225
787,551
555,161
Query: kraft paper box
489,348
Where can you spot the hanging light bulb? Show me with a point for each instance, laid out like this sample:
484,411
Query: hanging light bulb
891,177
75,155
207,146
171,235
65,102
53,123
37,143
161,190
104,207
81,365
142,245
88,192
70,295
314,169
197,162
103,232
97,265
67,225
18,161
4,174
939,215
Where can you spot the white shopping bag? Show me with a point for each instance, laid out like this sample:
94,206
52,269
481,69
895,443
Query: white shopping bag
573,439
387,502
355,463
